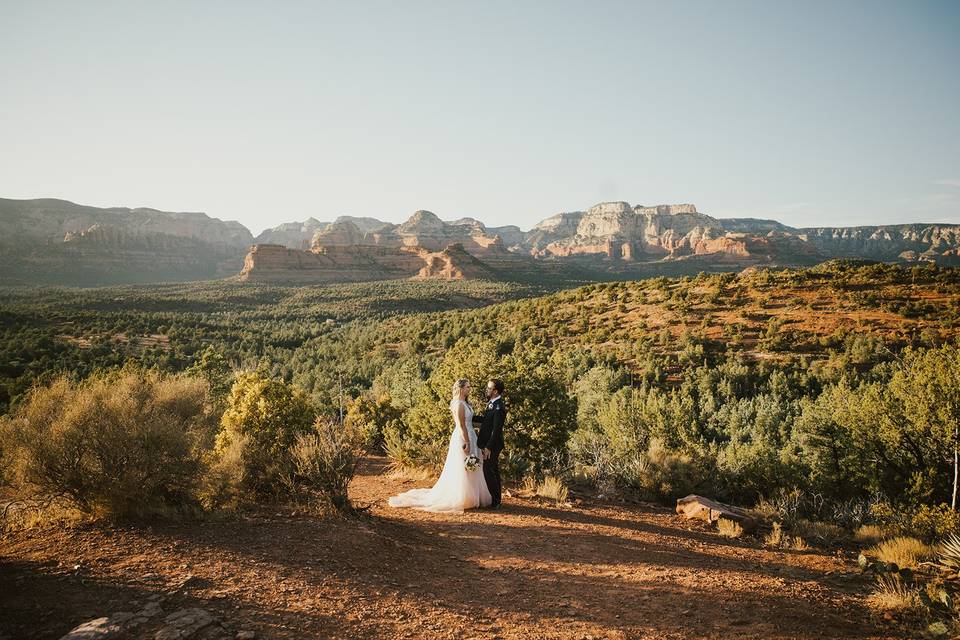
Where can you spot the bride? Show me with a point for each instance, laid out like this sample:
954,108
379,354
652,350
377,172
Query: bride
457,488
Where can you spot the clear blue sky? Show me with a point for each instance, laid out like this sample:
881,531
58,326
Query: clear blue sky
813,113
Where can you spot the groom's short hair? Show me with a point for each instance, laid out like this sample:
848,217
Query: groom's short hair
497,384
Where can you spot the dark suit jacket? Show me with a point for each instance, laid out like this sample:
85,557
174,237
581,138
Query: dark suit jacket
491,427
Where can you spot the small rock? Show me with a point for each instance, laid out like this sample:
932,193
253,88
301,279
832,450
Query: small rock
246,635
94,630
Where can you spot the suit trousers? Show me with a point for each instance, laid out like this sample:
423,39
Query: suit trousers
491,473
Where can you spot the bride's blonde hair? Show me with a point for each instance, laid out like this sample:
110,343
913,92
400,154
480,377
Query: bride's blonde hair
457,386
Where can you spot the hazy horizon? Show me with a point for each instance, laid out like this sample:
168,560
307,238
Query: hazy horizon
813,115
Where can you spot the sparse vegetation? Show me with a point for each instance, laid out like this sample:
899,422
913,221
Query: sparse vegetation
871,534
324,462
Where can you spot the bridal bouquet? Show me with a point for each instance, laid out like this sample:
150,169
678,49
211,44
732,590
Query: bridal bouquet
471,463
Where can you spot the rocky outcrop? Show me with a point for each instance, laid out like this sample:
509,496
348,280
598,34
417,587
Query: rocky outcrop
510,235
454,263
48,220
150,622
295,235
342,252
423,229
342,233
615,231
752,225
276,263
366,225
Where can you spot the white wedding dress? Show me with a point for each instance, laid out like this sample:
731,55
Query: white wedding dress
457,488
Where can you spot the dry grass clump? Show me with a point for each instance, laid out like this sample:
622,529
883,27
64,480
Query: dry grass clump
729,528
551,488
902,550
892,594
764,510
416,474
872,534
782,540
823,532
19,514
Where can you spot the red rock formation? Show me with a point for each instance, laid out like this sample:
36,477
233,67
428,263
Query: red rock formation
454,263
276,263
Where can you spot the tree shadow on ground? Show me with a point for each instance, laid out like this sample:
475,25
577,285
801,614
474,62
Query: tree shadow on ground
542,574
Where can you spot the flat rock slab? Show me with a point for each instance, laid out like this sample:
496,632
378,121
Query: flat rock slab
97,629
694,506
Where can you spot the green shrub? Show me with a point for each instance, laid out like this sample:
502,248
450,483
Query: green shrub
932,523
119,444
370,417
263,418
407,454
513,466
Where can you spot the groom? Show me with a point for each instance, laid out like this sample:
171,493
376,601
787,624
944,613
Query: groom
490,438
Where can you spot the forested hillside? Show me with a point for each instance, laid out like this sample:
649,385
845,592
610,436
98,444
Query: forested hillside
742,373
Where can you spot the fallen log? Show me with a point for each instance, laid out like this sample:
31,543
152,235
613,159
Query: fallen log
694,506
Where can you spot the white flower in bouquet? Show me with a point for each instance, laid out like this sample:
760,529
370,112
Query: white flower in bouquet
471,463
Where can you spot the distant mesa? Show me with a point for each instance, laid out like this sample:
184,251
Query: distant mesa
48,241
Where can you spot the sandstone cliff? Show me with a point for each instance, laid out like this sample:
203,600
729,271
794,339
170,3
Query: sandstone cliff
276,263
618,231
423,229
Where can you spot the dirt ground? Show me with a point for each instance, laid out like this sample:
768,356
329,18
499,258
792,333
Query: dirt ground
529,570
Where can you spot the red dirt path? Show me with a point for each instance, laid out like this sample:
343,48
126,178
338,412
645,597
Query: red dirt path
529,570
